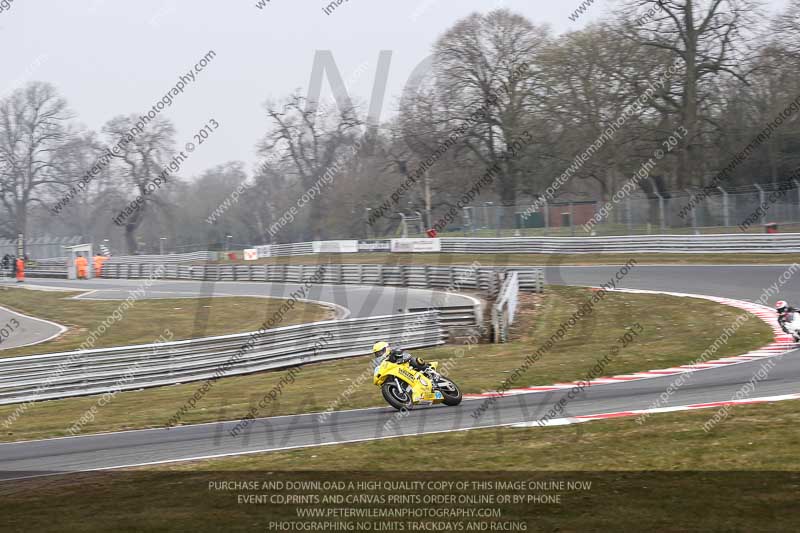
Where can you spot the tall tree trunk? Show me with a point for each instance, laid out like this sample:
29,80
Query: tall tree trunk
130,238
508,199
21,221
686,161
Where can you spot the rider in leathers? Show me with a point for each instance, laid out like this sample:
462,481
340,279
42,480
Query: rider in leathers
785,312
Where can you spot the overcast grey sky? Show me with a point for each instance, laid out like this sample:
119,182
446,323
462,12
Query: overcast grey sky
109,57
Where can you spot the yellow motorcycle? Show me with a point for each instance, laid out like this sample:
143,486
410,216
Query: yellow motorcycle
403,386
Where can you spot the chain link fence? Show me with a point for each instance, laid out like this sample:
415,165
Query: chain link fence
753,209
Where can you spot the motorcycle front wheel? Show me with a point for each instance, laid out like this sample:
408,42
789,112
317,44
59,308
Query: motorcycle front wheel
397,393
450,391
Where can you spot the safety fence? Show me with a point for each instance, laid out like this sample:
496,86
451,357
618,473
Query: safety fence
461,277
722,208
663,243
395,274
455,316
299,248
56,273
681,244
78,373
42,268
504,309
51,263
39,247
164,259
486,280
630,211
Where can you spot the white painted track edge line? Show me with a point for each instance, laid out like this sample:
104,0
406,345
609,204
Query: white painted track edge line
61,328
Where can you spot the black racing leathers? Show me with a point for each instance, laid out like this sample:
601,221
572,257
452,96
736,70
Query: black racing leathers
785,317
399,357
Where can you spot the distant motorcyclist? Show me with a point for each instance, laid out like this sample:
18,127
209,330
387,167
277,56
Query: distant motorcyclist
785,312
382,349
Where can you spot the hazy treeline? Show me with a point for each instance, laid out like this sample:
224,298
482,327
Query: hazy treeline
713,74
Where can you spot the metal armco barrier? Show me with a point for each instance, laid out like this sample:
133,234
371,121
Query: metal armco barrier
455,278
712,243
455,316
46,273
505,308
679,244
452,277
57,267
66,374
45,268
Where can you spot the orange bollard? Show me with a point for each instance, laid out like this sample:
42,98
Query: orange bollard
20,270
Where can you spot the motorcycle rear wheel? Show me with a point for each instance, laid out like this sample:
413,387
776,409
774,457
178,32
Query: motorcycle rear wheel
398,398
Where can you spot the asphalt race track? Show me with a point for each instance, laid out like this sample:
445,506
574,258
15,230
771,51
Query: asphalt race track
359,300
743,282
21,330
130,448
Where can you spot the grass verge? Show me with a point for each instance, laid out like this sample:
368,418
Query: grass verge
666,475
186,317
662,342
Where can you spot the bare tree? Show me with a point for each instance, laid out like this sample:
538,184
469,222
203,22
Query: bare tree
315,146
594,79
705,39
140,160
486,66
422,125
86,213
786,29
772,86
215,200
32,130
